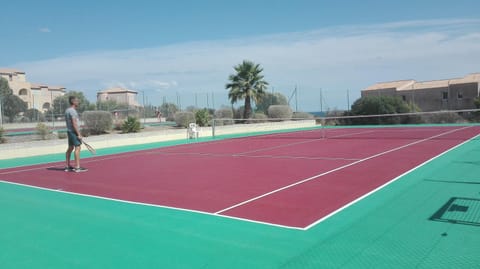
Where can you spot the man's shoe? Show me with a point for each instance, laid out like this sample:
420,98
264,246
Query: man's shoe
80,169
69,168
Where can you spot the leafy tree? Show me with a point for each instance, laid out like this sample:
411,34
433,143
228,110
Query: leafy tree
476,101
168,110
61,103
4,88
269,99
2,139
248,84
375,105
108,105
34,114
12,105
150,111
192,109
4,92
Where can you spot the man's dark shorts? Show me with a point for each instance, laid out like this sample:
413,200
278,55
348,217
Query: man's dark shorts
73,139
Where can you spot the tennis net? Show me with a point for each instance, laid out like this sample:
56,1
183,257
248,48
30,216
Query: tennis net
348,126
385,125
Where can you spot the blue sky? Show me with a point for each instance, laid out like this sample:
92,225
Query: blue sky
185,50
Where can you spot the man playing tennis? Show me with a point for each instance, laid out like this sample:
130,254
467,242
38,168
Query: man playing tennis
74,136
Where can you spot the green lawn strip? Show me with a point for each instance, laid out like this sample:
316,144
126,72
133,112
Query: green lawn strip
391,228
45,229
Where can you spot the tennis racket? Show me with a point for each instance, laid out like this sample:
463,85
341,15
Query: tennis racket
90,148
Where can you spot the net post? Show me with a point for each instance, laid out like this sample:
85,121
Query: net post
213,128
322,126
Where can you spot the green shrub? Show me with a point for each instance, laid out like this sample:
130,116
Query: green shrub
447,117
43,131
202,117
279,112
183,118
61,135
238,113
2,139
97,122
259,117
224,116
117,126
302,116
131,125
33,115
85,132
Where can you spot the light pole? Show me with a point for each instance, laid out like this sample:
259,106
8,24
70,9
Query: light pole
1,111
51,109
144,116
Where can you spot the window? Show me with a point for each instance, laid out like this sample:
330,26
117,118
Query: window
445,95
404,98
459,95
10,77
23,92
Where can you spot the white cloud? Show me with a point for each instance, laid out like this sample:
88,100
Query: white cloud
45,30
335,59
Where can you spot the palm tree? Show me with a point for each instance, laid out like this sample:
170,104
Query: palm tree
246,84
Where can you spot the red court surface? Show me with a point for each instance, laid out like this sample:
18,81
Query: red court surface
290,179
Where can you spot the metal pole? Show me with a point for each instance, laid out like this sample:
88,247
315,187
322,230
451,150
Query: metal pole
51,108
1,112
143,92
178,101
321,101
208,106
348,100
33,104
296,102
213,101
448,95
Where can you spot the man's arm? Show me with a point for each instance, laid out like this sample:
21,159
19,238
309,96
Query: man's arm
75,127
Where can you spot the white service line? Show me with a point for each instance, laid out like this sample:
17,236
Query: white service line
256,156
334,170
151,205
298,143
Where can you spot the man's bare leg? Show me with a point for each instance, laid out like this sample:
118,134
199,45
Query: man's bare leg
67,156
77,156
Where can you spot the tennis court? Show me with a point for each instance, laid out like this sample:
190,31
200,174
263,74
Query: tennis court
319,198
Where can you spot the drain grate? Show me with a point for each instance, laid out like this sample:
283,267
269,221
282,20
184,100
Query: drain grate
460,211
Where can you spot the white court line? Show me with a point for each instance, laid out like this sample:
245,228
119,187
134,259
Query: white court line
298,143
135,153
216,214
151,205
256,156
386,184
334,170
85,160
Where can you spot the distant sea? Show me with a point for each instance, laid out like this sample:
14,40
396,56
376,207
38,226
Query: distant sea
318,113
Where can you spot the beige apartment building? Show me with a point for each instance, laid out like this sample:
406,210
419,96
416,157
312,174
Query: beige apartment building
38,96
119,95
446,94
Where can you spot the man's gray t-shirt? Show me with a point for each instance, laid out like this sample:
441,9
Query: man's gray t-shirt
70,115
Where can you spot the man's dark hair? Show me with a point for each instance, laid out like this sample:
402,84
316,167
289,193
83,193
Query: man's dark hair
71,98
